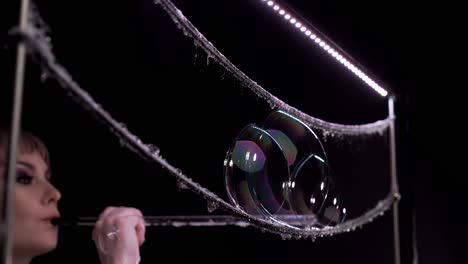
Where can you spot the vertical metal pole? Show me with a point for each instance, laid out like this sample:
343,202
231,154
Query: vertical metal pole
394,180
9,190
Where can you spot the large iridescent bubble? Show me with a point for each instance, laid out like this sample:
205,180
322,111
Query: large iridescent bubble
280,170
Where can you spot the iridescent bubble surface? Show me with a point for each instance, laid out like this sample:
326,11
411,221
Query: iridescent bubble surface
307,163
254,170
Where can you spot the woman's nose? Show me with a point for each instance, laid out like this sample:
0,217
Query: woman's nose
52,195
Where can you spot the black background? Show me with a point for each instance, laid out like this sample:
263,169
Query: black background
132,59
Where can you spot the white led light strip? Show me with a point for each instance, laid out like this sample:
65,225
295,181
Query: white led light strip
327,128
328,47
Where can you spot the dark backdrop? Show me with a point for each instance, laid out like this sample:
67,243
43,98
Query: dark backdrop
132,59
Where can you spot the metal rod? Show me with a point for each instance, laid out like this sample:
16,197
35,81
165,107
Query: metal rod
195,220
9,191
394,180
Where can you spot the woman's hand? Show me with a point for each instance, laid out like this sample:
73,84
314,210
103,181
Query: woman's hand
118,234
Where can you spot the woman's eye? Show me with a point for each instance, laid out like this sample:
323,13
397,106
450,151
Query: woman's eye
23,177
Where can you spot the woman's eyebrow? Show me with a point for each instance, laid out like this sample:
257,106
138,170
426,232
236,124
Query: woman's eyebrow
48,174
26,164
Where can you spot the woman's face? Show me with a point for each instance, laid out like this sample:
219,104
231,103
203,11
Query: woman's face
35,206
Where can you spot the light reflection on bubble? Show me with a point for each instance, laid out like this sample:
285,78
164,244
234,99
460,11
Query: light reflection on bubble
334,210
310,192
248,156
